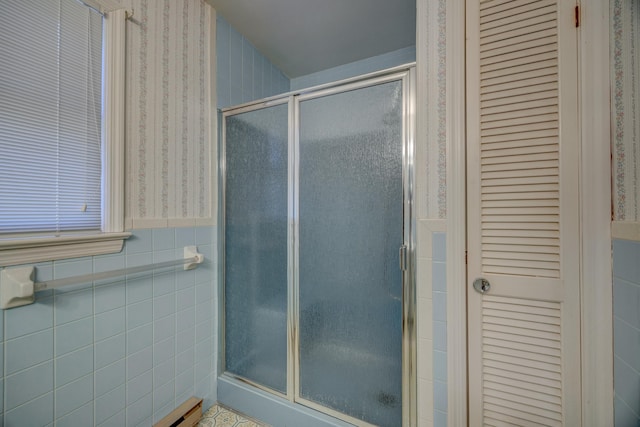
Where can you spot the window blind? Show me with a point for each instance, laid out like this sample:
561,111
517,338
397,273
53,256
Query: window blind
50,116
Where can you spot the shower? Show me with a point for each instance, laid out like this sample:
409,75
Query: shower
317,295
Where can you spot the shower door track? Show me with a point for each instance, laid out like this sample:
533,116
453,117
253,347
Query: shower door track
406,74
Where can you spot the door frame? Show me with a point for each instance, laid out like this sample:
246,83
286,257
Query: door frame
595,214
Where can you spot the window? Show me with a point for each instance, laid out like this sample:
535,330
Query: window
60,171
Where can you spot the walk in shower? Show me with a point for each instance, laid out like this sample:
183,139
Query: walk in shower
317,295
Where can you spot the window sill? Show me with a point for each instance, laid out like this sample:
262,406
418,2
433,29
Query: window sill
14,251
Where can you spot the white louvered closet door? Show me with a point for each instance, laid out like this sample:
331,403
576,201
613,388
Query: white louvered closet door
524,333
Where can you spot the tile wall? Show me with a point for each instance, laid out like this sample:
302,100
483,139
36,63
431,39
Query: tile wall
439,304
118,352
626,332
243,73
353,69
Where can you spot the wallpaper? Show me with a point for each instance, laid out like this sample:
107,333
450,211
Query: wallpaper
625,94
169,117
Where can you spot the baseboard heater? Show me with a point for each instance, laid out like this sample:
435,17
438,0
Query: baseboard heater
186,415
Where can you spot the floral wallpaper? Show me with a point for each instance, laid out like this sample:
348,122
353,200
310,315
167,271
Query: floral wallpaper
625,99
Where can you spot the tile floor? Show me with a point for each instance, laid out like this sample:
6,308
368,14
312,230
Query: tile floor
219,416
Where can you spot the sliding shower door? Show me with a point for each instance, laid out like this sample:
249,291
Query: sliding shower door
318,296
255,250
350,197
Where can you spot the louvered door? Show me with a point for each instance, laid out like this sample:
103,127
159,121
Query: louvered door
524,333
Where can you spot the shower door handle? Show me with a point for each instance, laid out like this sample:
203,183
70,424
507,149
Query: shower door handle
403,258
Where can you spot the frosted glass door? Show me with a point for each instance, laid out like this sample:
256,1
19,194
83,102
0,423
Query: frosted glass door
255,250
350,231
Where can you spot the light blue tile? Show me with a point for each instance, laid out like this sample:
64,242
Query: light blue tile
109,323
163,238
164,328
74,365
185,236
73,395
163,351
1,397
108,263
80,417
439,276
166,255
626,343
440,366
73,336
439,247
163,394
185,360
185,279
139,314
191,391
139,386
108,297
69,268
28,350
626,254
38,412
439,396
109,404
139,362
185,319
164,283
141,241
139,338
203,367
439,306
29,318
626,301
186,338
73,306
185,381
204,390
139,289
117,420
203,311
110,377
164,306
164,372
204,350
185,298
204,235
626,382
164,411
440,336
137,260
439,419
110,351
28,384
204,292
204,330
139,411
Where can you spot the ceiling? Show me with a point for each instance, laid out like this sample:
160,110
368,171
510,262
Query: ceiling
301,37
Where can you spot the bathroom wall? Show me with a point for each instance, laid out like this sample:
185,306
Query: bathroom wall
119,352
625,102
625,98
243,73
626,322
170,124
430,205
353,69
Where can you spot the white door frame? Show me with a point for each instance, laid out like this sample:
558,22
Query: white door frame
595,214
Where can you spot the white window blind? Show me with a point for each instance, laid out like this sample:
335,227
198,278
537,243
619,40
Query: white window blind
50,116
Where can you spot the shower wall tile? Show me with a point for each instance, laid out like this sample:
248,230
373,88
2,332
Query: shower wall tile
116,352
357,68
243,73
626,332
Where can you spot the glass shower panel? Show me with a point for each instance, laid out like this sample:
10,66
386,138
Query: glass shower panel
351,229
255,257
